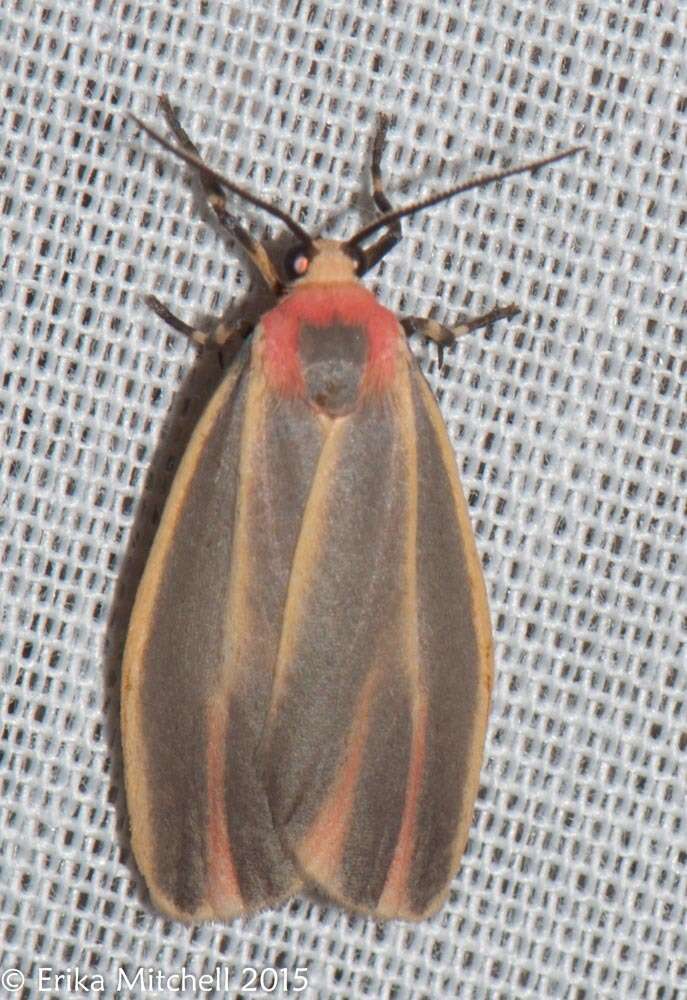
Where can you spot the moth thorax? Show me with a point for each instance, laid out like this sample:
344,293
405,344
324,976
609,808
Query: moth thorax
333,359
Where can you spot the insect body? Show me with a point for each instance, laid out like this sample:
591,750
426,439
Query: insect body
309,661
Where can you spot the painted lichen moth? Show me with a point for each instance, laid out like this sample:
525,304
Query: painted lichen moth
308,666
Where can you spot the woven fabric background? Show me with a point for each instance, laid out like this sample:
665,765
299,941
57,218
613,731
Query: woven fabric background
568,423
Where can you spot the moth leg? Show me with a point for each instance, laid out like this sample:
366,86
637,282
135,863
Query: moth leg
444,336
388,241
216,199
221,335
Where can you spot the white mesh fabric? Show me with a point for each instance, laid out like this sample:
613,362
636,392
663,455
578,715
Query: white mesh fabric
569,424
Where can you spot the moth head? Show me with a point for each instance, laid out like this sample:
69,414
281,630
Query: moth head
323,262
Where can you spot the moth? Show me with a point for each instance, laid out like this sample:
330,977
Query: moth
308,666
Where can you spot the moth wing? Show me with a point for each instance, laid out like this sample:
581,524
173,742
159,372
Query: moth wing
379,707
202,643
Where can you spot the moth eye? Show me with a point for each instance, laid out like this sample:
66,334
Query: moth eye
296,262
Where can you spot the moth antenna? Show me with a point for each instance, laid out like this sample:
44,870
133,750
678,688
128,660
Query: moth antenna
253,199
389,218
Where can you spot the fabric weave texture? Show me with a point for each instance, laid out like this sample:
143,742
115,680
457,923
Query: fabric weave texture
568,423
